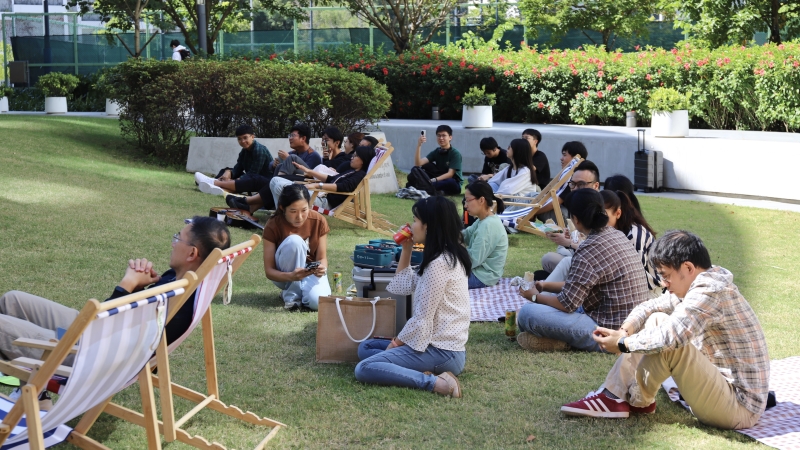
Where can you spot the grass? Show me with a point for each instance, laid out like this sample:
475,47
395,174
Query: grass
77,203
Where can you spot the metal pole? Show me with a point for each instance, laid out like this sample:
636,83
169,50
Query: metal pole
294,29
48,52
447,31
311,24
201,26
5,56
371,39
75,42
147,37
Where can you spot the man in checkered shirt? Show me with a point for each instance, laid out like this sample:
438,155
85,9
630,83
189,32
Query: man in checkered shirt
703,334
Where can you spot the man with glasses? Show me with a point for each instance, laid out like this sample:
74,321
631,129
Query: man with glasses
586,175
702,333
443,164
286,173
24,315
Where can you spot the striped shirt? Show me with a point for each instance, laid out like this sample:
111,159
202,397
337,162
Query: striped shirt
716,319
606,278
642,240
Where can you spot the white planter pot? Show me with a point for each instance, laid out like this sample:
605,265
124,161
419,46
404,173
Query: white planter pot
112,108
3,104
670,124
477,117
55,105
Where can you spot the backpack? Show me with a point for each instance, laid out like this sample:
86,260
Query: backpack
419,179
185,54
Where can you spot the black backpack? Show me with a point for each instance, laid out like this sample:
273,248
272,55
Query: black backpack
185,54
418,179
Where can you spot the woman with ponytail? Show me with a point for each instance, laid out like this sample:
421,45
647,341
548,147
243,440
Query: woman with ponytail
605,282
520,177
486,239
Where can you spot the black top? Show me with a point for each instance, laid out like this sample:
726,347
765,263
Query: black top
492,165
345,166
180,323
337,161
345,182
542,168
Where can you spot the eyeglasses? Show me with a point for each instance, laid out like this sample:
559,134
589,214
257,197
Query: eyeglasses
177,238
467,200
293,135
580,184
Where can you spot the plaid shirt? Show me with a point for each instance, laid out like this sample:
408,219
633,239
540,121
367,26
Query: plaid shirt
718,321
606,278
255,162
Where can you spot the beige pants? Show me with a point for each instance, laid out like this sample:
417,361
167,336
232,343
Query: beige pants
23,315
636,378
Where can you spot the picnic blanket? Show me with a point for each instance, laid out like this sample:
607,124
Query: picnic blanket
489,304
779,426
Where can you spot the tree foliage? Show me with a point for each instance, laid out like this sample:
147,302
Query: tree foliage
123,15
404,21
610,18
719,22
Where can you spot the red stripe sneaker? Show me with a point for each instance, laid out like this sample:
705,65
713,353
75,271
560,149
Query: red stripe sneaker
598,406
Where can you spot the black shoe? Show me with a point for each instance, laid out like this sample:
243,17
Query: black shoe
234,201
540,275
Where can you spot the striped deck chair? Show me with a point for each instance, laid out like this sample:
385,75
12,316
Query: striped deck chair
213,276
521,218
115,341
357,208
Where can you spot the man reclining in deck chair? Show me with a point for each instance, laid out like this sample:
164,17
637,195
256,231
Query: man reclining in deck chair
24,315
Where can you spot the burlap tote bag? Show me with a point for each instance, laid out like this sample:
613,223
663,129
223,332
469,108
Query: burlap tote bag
344,322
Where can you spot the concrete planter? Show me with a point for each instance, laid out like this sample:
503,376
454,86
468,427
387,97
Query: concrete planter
55,105
477,117
112,108
3,104
670,124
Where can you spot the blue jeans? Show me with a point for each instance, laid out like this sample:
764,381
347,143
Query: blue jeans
573,328
403,366
290,255
276,185
474,283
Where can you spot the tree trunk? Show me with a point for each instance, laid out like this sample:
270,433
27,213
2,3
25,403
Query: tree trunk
774,25
137,49
606,36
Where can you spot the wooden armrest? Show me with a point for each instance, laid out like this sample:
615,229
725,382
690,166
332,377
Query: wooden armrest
36,364
41,345
331,192
526,205
18,372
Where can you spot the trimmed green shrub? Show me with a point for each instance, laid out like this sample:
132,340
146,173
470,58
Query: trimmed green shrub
6,91
668,100
477,96
163,103
57,84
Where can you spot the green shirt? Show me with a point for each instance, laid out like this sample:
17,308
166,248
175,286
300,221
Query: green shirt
255,161
487,244
446,160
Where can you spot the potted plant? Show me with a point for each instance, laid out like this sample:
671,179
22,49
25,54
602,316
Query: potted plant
670,112
56,86
477,108
105,85
5,93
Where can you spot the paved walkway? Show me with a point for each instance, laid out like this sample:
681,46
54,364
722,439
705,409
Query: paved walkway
765,204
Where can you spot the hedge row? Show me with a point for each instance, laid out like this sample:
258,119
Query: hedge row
164,103
734,87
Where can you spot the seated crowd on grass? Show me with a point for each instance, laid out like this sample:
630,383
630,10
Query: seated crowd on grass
609,286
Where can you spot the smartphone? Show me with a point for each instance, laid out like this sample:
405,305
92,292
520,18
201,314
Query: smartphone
312,265
422,133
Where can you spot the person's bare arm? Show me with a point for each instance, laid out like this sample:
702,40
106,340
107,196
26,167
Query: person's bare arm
450,174
418,159
545,299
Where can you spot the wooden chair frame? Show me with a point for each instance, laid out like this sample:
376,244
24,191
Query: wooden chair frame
549,192
357,208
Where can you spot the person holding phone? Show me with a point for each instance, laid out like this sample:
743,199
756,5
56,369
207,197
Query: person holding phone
442,165
295,250
430,350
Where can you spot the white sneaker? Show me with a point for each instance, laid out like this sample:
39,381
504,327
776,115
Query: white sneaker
210,188
201,178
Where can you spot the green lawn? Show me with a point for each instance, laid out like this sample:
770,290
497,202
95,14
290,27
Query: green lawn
76,203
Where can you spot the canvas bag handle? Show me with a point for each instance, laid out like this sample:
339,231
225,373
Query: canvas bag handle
344,325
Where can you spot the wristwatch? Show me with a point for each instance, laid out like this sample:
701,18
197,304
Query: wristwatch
621,345
320,185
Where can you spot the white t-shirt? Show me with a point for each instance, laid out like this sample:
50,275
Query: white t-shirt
176,53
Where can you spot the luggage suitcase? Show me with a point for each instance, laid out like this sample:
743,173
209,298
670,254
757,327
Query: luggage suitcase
648,170
372,283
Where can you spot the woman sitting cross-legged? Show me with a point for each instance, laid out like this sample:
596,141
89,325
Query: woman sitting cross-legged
605,282
430,350
343,182
486,239
294,236
520,177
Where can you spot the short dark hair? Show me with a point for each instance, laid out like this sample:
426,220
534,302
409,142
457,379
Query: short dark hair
365,154
588,207
445,128
575,148
244,129
335,134
535,133
676,247
488,143
302,130
174,43
371,139
209,233
591,167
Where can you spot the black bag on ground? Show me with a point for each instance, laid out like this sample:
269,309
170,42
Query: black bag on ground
419,179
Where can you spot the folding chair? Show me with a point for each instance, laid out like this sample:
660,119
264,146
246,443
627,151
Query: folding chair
215,273
521,218
357,208
115,341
